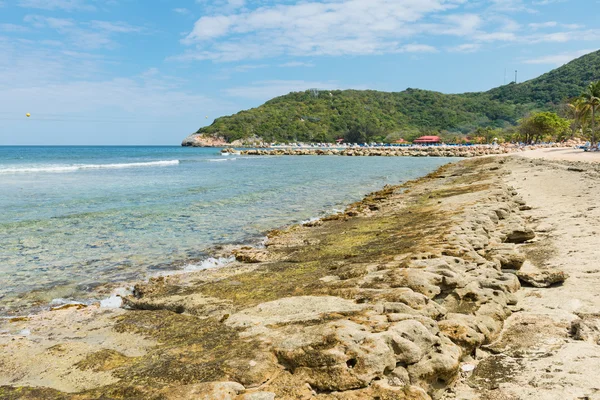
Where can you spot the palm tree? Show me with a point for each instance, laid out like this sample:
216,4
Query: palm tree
591,100
579,111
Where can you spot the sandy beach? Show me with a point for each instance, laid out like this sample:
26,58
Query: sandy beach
563,154
550,348
479,281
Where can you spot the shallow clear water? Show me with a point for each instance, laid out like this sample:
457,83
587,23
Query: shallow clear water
72,218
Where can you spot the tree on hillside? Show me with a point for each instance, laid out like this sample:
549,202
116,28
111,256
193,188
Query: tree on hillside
488,134
542,126
364,132
591,99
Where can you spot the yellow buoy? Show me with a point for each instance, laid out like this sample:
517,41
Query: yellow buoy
28,115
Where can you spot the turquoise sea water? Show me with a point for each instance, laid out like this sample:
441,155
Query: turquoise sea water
74,218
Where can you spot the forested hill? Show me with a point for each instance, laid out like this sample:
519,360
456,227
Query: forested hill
325,115
555,86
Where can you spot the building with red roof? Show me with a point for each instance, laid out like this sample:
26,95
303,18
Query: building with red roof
428,140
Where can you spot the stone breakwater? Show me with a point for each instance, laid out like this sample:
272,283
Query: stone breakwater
465,152
394,298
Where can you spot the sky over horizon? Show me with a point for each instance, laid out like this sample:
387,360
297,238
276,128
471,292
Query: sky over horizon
153,71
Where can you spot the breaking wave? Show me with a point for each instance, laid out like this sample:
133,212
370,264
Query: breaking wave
80,167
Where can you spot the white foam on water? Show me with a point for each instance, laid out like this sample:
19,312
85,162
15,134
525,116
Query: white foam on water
221,159
263,243
114,301
116,298
80,167
123,291
209,263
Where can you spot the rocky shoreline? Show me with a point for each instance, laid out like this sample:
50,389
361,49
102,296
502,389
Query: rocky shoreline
398,297
426,151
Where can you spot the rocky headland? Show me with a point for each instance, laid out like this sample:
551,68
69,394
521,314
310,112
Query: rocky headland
412,293
202,140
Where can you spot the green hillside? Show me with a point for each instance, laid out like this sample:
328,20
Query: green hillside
371,115
555,86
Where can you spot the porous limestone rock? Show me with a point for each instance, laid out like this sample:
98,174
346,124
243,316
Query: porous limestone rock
206,391
250,255
200,140
586,328
258,396
338,356
519,234
507,255
543,278
291,310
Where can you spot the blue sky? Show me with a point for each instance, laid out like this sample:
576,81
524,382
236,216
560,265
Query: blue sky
151,71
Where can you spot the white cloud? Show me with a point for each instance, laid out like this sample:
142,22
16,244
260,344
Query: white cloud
558,37
66,5
505,24
221,6
237,3
496,37
535,38
296,64
465,48
510,6
329,27
541,25
181,10
546,2
558,59
248,67
418,48
458,25
13,28
342,27
115,27
210,28
553,24
87,35
573,26
40,21
565,36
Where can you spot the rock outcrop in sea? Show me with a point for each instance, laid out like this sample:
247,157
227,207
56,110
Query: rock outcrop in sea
202,140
